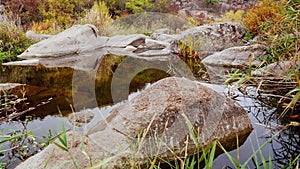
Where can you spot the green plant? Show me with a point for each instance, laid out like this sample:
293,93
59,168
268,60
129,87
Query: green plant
12,38
266,164
211,1
63,144
58,15
276,24
139,6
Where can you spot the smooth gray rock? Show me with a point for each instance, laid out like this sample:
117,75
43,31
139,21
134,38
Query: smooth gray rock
74,40
81,48
220,63
211,38
157,122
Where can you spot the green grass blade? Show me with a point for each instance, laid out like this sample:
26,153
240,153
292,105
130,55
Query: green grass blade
61,147
231,158
48,159
212,154
191,130
105,161
9,138
270,161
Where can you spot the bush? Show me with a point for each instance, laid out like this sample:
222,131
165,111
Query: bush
99,16
48,16
12,38
276,24
263,12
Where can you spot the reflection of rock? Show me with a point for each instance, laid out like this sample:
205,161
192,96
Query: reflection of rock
219,64
81,118
163,115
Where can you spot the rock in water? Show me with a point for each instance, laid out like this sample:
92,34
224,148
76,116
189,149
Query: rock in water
219,64
170,117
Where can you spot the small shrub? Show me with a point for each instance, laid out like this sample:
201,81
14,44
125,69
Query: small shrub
27,10
58,15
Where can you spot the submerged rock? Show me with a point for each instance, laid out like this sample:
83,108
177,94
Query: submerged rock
81,118
164,120
220,63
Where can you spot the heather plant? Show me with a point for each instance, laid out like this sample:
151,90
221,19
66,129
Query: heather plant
28,10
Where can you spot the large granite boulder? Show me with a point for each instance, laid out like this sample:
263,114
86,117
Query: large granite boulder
220,63
171,117
211,38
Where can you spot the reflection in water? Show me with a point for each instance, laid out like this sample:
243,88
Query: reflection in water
282,149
